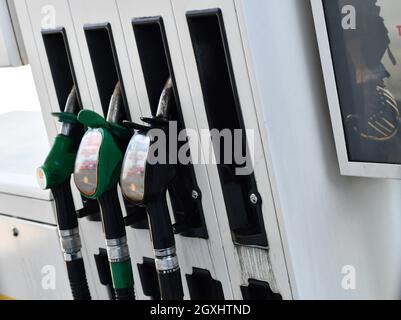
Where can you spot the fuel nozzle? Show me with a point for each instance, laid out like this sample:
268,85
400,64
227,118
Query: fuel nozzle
96,175
59,164
55,174
145,183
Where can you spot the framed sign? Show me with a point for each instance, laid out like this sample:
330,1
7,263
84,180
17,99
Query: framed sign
360,50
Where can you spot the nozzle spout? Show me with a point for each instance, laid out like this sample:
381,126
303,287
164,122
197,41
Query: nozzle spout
163,108
72,105
116,114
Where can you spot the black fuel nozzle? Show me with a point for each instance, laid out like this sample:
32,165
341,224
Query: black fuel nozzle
144,181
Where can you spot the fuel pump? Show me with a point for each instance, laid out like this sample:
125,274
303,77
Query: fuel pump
146,185
55,174
96,174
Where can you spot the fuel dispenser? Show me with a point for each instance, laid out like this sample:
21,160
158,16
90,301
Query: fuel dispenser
146,185
97,170
55,175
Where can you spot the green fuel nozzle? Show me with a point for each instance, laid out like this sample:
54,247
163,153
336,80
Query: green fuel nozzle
96,175
59,164
55,174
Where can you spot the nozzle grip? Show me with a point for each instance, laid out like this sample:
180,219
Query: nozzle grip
160,222
66,215
112,216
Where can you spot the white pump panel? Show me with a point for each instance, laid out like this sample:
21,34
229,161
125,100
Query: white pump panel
9,51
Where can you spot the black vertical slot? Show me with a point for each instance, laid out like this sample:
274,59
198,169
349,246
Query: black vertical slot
202,286
259,290
60,62
105,64
107,71
149,280
103,270
242,200
156,63
64,78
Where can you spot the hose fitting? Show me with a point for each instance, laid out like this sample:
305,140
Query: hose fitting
166,260
117,250
70,244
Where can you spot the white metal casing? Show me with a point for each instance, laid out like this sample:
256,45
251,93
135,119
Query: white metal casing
32,265
10,55
243,263
317,221
205,254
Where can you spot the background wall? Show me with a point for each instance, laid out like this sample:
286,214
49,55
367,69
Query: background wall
328,221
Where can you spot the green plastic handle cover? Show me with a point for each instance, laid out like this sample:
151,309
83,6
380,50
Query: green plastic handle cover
59,164
65,117
91,119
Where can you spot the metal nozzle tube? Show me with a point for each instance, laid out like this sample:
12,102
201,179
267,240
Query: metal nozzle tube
165,100
115,114
71,106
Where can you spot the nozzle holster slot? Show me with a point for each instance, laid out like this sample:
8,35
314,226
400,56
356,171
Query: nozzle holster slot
61,66
157,67
105,64
223,110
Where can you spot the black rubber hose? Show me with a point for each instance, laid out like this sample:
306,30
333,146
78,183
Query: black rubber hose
78,282
67,220
125,294
171,286
163,238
